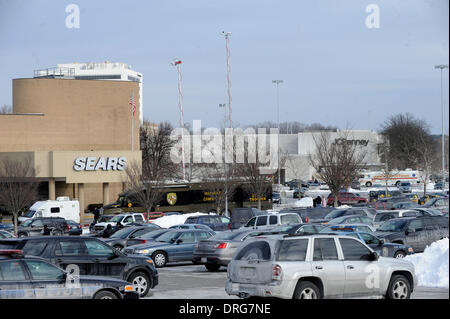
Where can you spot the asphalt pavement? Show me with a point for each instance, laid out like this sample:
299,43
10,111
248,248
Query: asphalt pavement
188,281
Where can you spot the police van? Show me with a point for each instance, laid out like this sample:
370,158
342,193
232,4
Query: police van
61,207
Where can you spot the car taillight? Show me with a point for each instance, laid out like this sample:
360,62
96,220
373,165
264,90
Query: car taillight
277,272
142,241
229,225
221,246
307,219
79,226
68,227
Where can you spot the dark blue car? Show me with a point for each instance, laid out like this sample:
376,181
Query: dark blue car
74,228
215,222
174,245
393,250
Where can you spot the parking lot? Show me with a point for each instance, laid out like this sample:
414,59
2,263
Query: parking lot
187,281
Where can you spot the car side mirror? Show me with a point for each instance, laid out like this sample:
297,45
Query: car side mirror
373,256
179,241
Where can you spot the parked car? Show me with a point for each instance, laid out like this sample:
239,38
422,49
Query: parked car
28,277
175,245
315,267
439,185
6,226
298,229
5,234
214,222
405,187
120,238
92,256
123,219
404,205
192,226
349,227
417,232
345,198
74,228
276,198
35,226
393,250
374,195
266,222
240,216
147,237
218,250
425,211
336,213
351,219
440,203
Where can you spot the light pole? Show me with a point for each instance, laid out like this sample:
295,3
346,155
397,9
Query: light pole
227,47
277,82
224,162
177,64
442,67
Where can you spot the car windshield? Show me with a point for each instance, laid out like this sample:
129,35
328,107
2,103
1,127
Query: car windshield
123,233
154,234
29,214
27,223
116,219
334,214
393,225
337,221
168,237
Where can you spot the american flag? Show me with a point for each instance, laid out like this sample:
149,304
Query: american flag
132,103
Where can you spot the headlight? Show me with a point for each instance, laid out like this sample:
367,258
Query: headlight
410,250
142,251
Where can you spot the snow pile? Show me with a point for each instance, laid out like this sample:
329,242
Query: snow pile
304,202
167,221
431,266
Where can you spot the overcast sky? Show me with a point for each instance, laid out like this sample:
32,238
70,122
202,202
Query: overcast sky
336,71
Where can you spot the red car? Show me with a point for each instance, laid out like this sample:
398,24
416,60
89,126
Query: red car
345,198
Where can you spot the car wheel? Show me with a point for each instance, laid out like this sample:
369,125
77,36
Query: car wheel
118,247
307,290
159,258
105,294
212,267
368,184
399,254
399,288
22,235
141,283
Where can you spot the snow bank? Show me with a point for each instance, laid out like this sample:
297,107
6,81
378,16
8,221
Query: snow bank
431,266
167,221
304,202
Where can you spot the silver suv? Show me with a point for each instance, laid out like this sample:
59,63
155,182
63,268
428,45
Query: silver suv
316,266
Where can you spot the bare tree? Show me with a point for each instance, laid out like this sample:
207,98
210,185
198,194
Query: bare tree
251,171
336,163
145,181
425,146
18,185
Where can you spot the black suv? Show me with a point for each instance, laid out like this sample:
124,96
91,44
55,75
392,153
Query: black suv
34,227
28,277
92,256
417,232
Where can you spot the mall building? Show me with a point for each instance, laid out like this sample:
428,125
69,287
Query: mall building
80,134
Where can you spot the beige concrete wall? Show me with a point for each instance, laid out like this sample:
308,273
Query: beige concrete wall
79,115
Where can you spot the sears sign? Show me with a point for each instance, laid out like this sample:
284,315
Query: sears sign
99,163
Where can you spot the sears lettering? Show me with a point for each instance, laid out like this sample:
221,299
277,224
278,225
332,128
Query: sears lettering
99,163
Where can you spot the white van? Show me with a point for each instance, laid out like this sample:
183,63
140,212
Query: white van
61,207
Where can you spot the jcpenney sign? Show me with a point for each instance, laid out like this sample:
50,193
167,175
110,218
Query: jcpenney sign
99,163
